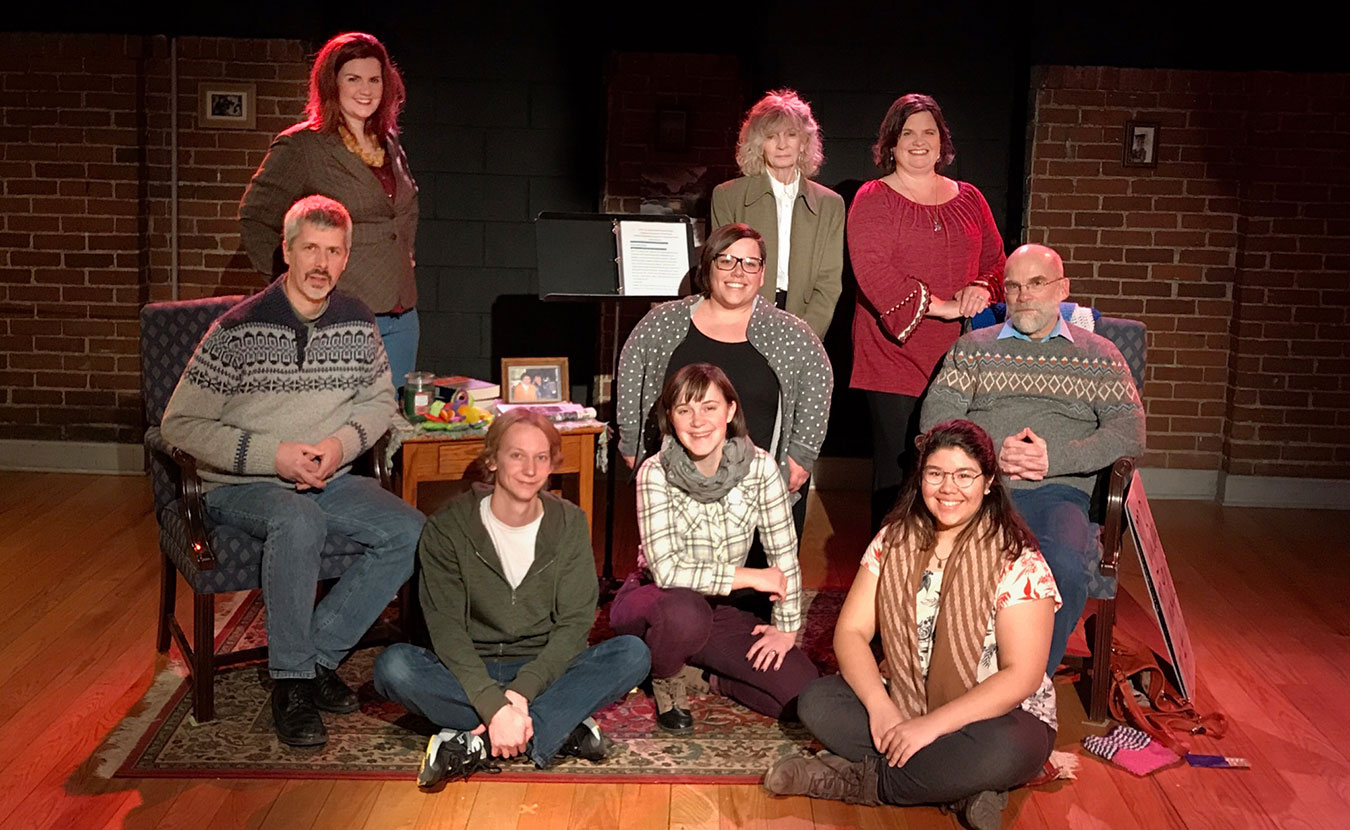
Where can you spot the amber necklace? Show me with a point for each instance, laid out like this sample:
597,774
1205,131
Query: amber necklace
372,158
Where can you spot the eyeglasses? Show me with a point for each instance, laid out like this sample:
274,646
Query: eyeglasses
1031,288
964,479
749,264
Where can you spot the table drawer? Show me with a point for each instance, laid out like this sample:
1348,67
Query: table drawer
454,457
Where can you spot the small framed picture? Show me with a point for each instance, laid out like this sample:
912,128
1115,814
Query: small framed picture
1141,144
535,380
227,105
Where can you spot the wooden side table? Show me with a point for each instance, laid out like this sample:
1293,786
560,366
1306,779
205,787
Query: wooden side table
440,458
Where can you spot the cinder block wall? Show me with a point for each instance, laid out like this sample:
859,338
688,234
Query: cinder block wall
1235,251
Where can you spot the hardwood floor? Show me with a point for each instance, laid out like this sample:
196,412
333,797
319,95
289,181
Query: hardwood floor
1266,595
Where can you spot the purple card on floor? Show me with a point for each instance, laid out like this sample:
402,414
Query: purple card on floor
1217,761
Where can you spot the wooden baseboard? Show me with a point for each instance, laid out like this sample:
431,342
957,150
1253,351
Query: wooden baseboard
72,457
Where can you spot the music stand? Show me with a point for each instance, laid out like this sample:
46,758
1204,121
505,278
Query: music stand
579,261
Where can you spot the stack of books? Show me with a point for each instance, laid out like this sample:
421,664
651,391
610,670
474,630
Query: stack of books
481,393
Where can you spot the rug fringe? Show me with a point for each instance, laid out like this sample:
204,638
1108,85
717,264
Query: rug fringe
1065,764
113,752
119,743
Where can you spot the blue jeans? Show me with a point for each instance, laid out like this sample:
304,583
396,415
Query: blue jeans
1058,515
293,526
603,673
400,333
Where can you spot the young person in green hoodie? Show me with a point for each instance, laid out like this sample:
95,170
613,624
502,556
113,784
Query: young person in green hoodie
509,592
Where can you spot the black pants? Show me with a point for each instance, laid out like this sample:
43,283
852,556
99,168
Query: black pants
995,754
895,423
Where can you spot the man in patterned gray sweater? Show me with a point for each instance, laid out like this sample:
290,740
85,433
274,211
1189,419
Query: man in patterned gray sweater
285,390
1060,404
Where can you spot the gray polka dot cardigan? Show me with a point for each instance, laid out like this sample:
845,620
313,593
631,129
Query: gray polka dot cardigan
805,378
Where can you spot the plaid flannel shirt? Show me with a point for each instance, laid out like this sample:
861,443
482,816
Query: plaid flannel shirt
690,544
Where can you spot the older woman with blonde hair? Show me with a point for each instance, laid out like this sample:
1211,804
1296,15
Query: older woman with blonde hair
802,222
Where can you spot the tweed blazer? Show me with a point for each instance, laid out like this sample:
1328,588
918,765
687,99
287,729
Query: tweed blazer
816,256
302,162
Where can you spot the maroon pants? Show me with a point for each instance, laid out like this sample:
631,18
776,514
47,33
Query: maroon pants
682,626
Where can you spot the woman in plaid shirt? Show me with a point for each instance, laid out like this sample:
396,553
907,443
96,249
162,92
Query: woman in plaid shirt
701,500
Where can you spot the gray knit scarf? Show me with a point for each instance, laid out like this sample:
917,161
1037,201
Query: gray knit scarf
681,472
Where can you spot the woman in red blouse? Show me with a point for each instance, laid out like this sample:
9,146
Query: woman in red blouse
926,253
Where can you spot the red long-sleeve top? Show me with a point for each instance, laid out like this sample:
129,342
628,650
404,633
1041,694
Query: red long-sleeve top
904,255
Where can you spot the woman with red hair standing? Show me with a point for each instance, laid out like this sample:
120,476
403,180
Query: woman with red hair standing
347,149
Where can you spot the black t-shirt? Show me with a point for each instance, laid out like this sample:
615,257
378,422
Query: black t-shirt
748,371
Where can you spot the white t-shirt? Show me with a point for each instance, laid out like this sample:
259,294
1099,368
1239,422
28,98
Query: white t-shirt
515,545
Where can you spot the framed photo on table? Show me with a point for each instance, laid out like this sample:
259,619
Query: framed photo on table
1141,144
535,380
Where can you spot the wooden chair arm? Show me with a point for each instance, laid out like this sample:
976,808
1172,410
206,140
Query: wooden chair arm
379,460
194,510
1122,471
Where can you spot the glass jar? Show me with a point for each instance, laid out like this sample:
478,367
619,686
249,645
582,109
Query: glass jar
419,390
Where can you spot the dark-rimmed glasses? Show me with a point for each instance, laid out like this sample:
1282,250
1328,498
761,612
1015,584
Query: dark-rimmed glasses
749,264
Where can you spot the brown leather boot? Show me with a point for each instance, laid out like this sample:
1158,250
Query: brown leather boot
825,775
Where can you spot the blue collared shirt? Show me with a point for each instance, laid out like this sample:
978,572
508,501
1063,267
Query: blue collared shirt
1060,330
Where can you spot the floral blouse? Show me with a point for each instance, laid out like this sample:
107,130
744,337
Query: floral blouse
1024,579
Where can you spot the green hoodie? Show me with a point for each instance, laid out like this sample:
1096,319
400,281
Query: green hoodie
474,615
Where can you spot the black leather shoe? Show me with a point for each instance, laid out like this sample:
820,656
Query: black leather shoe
676,720
331,694
587,742
294,715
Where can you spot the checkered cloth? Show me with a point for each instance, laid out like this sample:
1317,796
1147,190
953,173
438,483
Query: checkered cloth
696,545
1131,749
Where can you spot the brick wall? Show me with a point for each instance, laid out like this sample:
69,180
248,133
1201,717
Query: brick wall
84,158
1234,250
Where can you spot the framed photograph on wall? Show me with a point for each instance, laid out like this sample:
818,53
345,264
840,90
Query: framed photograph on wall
1141,144
535,380
223,104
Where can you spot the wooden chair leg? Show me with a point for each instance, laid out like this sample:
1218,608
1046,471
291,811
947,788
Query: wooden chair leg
168,587
204,657
1104,625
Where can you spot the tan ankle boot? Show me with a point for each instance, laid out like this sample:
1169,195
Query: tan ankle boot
672,705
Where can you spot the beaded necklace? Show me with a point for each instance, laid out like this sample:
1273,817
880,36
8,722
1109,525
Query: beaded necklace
371,158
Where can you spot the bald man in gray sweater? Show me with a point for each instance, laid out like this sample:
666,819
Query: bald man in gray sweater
1060,404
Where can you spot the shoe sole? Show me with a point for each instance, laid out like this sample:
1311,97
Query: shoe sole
346,710
303,742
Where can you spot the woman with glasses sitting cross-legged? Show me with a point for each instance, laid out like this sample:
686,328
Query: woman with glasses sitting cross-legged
772,358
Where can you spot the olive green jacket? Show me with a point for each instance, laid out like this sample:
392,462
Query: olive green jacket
474,615
816,256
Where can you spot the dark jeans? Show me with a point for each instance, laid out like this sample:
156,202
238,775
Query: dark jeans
995,754
682,626
603,673
1058,515
293,526
895,423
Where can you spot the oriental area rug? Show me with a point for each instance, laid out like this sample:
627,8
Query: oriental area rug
730,743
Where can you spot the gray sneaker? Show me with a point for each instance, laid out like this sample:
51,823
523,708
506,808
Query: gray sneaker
454,754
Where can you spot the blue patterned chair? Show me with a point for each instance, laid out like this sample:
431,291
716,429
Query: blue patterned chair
212,559
1108,512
